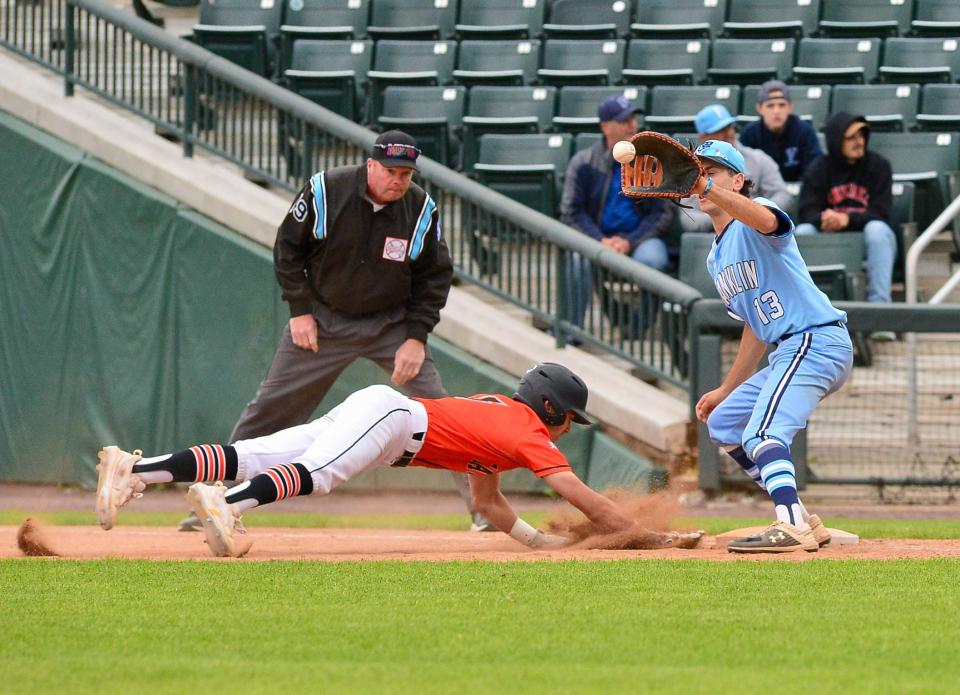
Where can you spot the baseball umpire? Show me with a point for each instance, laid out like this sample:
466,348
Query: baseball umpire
365,271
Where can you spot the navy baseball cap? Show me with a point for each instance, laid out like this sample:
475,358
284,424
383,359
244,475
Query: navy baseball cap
713,118
722,153
394,148
616,107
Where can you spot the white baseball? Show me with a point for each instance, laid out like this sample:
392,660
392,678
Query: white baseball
624,152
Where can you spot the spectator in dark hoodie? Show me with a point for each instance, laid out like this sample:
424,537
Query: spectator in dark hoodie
848,189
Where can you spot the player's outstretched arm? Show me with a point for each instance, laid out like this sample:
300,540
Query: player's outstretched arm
739,206
489,501
595,506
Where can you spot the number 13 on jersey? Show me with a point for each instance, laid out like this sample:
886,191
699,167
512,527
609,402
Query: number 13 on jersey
768,307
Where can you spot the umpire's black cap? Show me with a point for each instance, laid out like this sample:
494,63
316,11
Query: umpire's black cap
394,148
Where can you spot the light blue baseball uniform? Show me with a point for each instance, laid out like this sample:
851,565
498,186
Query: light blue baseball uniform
764,281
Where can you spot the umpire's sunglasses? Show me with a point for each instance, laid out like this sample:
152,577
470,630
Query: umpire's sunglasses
391,151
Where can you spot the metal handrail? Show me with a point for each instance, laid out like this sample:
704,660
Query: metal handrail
916,248
195,87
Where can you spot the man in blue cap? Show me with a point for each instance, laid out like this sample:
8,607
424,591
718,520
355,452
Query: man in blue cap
762,279
714,122
790,141
593,204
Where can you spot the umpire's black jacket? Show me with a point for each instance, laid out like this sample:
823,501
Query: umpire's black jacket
333,248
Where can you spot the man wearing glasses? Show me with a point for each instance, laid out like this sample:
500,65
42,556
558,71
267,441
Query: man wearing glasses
365,271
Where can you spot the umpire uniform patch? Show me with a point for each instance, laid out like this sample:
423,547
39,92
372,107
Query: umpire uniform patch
395,249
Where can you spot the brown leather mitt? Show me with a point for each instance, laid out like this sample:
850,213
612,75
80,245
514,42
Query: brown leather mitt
663,168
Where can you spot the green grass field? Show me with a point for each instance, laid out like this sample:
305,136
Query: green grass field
471,627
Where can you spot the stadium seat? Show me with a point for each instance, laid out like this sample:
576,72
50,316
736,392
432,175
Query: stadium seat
500,19
412,20
241,31
504,110
407,63
811,102
868,18
674,108
331,73
771,18
926,159
694,249
679,19
527,168
503,62
903,217
837,61
666,61
585,140
433,115
920,60
577,106
588,19
582,61
886,106
936,18
325,19
939,107
739,61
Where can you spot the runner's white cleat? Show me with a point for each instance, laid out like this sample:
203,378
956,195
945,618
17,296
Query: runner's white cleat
117,483
220,520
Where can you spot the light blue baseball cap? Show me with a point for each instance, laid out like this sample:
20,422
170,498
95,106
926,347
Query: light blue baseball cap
713,118
722,153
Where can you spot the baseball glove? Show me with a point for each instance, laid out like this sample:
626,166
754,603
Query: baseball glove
663,168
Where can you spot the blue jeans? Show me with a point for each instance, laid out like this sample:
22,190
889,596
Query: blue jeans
578,271
880,243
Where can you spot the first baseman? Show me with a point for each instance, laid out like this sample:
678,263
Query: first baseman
483,435
763,281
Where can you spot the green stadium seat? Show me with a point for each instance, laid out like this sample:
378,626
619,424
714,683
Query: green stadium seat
674,108
926,159
412,20
666,61
331,73
886,106
504,110
433,115
577,106
811,102
321,19
500,19
739,61
694,249
939,107
771,18
903,218
867,18
585,140
837,61
407,63
936,18
679,19
497,62
241,31
920,60
588,19
582,61
526,168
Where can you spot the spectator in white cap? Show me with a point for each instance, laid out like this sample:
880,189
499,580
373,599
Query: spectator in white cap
714,122
790,141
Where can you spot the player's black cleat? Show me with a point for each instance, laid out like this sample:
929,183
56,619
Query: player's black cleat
781,537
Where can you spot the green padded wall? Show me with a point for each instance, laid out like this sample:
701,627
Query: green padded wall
129,319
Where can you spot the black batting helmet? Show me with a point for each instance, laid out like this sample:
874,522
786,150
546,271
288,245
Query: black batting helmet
552,383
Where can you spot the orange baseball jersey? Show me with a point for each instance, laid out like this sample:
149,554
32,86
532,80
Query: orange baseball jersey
486,434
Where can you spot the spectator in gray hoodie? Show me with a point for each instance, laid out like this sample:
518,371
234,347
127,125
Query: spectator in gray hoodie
714,122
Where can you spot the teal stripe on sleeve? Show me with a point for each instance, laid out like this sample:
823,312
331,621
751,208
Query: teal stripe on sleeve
319,205
421,228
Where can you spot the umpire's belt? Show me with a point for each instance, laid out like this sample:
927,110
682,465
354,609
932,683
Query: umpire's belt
413,448
787,336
